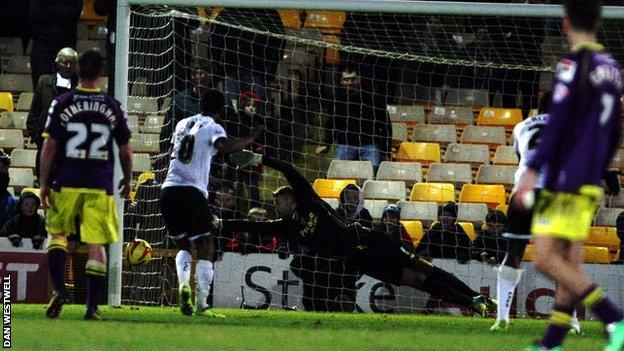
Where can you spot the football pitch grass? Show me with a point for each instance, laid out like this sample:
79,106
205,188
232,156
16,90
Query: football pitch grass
156,328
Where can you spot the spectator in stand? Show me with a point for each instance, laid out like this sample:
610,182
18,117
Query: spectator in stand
186,102
254,243
356,122
49,86
249,58
28,224
54,26
446,238
250,116
619,225
226,204
8,207
489,246
351,207
391,225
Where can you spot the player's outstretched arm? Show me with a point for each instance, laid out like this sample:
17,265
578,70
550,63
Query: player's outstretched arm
48,153
125,158
228,146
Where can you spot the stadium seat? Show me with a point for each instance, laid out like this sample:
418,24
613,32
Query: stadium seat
436,192
141,163
13,120
133,123
21,177
427,212
152,124
606,237
341,169
607,217
491,136
139,87
435,133
399,132
18,64
492,195
529,253
406,113
384,190
409,172
467,97
419,152
375,207
492,174
6,101
10,46
144,177
97,32
11,139
470,212
23,158
456,173
104,84
469,229
423,94
331,188
290,18
332,202
618,160
616,201
15,82
146,143
596,254
505,117
475,155
506,155
502,208
458,115
415,230
24,102
167,103
142,105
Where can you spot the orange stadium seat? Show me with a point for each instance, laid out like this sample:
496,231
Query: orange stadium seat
6,101
605,237
331,188
290,18
415,230
419,152
505,117
469,229
436,192
492,195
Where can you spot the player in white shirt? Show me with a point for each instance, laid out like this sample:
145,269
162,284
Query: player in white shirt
184,196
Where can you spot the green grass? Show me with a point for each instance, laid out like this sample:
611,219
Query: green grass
153,328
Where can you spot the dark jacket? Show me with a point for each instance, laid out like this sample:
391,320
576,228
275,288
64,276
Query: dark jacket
21,226
54,22
493,246
8,205
440,243
45,92
185,104
357,120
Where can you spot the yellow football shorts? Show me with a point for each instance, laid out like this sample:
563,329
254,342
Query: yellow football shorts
566,216
95,209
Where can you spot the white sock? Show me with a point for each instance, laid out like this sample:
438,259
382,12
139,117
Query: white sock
508,279
204,273
575,322
183,267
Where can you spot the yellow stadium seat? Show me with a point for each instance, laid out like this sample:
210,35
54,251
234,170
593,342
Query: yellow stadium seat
506,117
331,188
502,208
419,152
596,254
326,21
290,18
605,237
469,229
436,192
6,101
143,177
492,195
529,253
415,230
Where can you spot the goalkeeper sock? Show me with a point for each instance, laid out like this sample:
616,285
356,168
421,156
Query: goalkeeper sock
204,272
507,281
57,259
440,290
183,267
96,274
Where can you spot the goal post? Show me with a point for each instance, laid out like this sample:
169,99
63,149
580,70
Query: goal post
160,43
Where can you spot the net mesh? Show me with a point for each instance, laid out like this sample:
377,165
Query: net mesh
436,76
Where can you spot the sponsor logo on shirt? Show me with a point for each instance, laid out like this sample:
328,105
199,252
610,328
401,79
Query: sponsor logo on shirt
566,69
560,92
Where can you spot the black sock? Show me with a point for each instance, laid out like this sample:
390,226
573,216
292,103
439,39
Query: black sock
441,290
453,282
56,264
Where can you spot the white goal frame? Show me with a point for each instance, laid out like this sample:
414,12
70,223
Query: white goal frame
121,41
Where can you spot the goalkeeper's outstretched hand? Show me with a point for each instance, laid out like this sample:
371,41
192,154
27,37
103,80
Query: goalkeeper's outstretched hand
245,158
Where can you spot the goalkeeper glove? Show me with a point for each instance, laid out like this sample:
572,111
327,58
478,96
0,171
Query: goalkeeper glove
217,223
245,158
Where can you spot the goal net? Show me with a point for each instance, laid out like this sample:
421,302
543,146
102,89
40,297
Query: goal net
431,98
